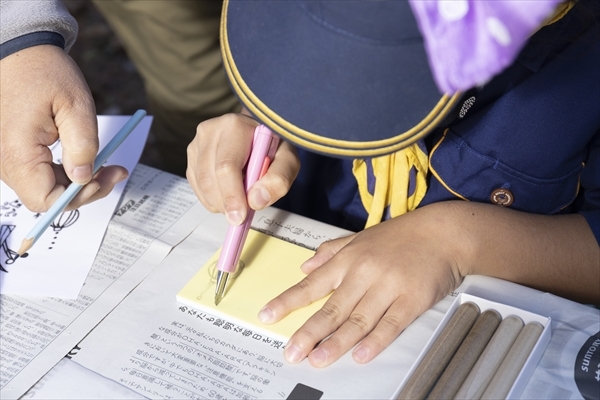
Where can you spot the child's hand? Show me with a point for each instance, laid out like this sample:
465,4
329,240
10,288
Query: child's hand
216,158
384,277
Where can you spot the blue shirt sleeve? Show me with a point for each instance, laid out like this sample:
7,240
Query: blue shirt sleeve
593,219
590,186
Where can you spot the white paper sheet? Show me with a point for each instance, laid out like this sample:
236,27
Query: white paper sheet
69,380
162,349
57,265
153,346
157,211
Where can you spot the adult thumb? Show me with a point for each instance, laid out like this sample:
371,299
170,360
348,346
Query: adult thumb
78,133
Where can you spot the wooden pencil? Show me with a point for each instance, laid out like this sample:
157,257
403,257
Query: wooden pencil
466,356
439,355
69,194
510,368
484,369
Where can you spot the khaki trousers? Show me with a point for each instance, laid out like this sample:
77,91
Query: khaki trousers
175,47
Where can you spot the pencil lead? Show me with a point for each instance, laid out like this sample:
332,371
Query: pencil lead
25,245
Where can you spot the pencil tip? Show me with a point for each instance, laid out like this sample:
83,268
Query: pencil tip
25,245
218,299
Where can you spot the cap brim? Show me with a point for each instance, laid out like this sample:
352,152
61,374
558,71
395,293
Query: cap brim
325,89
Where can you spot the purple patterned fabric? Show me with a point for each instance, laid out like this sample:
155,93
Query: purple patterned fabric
470,41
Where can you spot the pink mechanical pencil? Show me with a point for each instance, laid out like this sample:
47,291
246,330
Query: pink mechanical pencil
263,150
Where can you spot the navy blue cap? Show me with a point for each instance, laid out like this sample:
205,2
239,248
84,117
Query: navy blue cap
344,78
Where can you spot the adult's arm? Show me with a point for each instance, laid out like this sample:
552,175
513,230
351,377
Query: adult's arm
44,98
25,24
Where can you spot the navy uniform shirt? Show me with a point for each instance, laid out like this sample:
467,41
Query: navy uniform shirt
528,140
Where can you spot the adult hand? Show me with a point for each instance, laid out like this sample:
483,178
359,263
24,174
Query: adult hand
216,158
44,98
383,278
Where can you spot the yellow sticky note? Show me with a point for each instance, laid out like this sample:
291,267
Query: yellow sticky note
268,266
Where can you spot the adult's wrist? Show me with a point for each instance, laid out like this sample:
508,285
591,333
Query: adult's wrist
30,40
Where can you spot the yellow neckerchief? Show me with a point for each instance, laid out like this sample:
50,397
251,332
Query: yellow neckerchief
394,175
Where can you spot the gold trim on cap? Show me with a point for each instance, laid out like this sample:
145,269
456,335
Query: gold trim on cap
314,141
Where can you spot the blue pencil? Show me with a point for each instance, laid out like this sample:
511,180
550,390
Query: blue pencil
74,188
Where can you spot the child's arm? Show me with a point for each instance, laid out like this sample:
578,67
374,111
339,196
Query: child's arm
386,276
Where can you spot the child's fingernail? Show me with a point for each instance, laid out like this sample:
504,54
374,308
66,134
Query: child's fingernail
318,356
265,315
306,265
234,217
360,354
260,198
292,353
